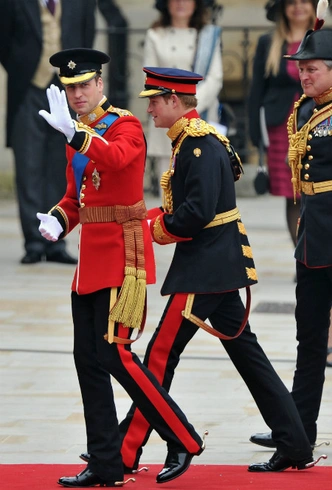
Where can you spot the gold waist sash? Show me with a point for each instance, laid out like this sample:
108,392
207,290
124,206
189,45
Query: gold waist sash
311,188
223,218
120,214
129,307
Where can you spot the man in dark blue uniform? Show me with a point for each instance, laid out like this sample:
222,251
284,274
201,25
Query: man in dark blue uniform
310,137
212,261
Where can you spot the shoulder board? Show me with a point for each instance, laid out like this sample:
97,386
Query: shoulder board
119,112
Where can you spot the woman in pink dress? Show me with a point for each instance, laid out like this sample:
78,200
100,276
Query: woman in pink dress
275,87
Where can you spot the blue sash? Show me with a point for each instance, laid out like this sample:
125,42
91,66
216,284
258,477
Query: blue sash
80,161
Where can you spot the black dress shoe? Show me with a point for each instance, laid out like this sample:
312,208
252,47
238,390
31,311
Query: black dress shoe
279,462
175,465
62,257
263,439
87,479
31,258
126,470
177,462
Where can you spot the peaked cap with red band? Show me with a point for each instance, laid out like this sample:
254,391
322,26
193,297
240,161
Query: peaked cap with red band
162,81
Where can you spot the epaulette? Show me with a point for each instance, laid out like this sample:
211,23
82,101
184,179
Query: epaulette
199,127
119,112
196,127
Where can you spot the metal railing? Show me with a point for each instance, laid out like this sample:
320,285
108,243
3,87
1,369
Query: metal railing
124,78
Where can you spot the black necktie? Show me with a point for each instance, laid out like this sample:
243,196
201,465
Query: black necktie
51,6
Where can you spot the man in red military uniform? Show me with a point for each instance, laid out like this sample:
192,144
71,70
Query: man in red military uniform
106,158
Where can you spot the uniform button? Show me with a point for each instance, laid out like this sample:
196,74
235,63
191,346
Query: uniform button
83,187
310,157
306,176
82,196
309,137
82,205
307,166
84,179
308,148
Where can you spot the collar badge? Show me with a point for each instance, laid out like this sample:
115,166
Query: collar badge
92,117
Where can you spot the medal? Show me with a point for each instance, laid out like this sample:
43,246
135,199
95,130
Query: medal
96,179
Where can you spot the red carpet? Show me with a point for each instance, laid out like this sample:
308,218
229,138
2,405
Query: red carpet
198,477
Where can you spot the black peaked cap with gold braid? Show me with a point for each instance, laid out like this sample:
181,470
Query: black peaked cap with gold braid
78,65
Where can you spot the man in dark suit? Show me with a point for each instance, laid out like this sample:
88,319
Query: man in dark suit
310,147
30,32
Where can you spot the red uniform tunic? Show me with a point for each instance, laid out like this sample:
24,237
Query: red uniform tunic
113,176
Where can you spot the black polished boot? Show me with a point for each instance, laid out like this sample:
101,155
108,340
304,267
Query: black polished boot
62,257
85,457
279,462
176,463
87,479
263,439
126,470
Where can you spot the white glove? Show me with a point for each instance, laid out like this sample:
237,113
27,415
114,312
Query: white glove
59,116
49,227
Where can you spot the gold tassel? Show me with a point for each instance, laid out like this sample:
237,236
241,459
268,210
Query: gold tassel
121,311
137,313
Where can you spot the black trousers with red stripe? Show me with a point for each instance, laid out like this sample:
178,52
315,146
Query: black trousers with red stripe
95,360
225,312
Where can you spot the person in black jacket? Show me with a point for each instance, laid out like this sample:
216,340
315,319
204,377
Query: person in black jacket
211,262
310,147
30,32
274,89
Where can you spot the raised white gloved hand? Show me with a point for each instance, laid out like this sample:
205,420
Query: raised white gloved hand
49,227
59,116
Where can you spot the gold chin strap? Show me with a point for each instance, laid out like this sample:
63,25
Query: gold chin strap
109,336
186,313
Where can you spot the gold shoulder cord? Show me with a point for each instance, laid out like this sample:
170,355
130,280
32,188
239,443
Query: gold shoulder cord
194,128
298,140
297,146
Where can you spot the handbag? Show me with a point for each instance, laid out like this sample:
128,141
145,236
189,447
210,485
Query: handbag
262,179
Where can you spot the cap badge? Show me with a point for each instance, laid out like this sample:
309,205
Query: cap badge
197,152
71,64
96,179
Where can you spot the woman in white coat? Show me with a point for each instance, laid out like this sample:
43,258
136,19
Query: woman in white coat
182,38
